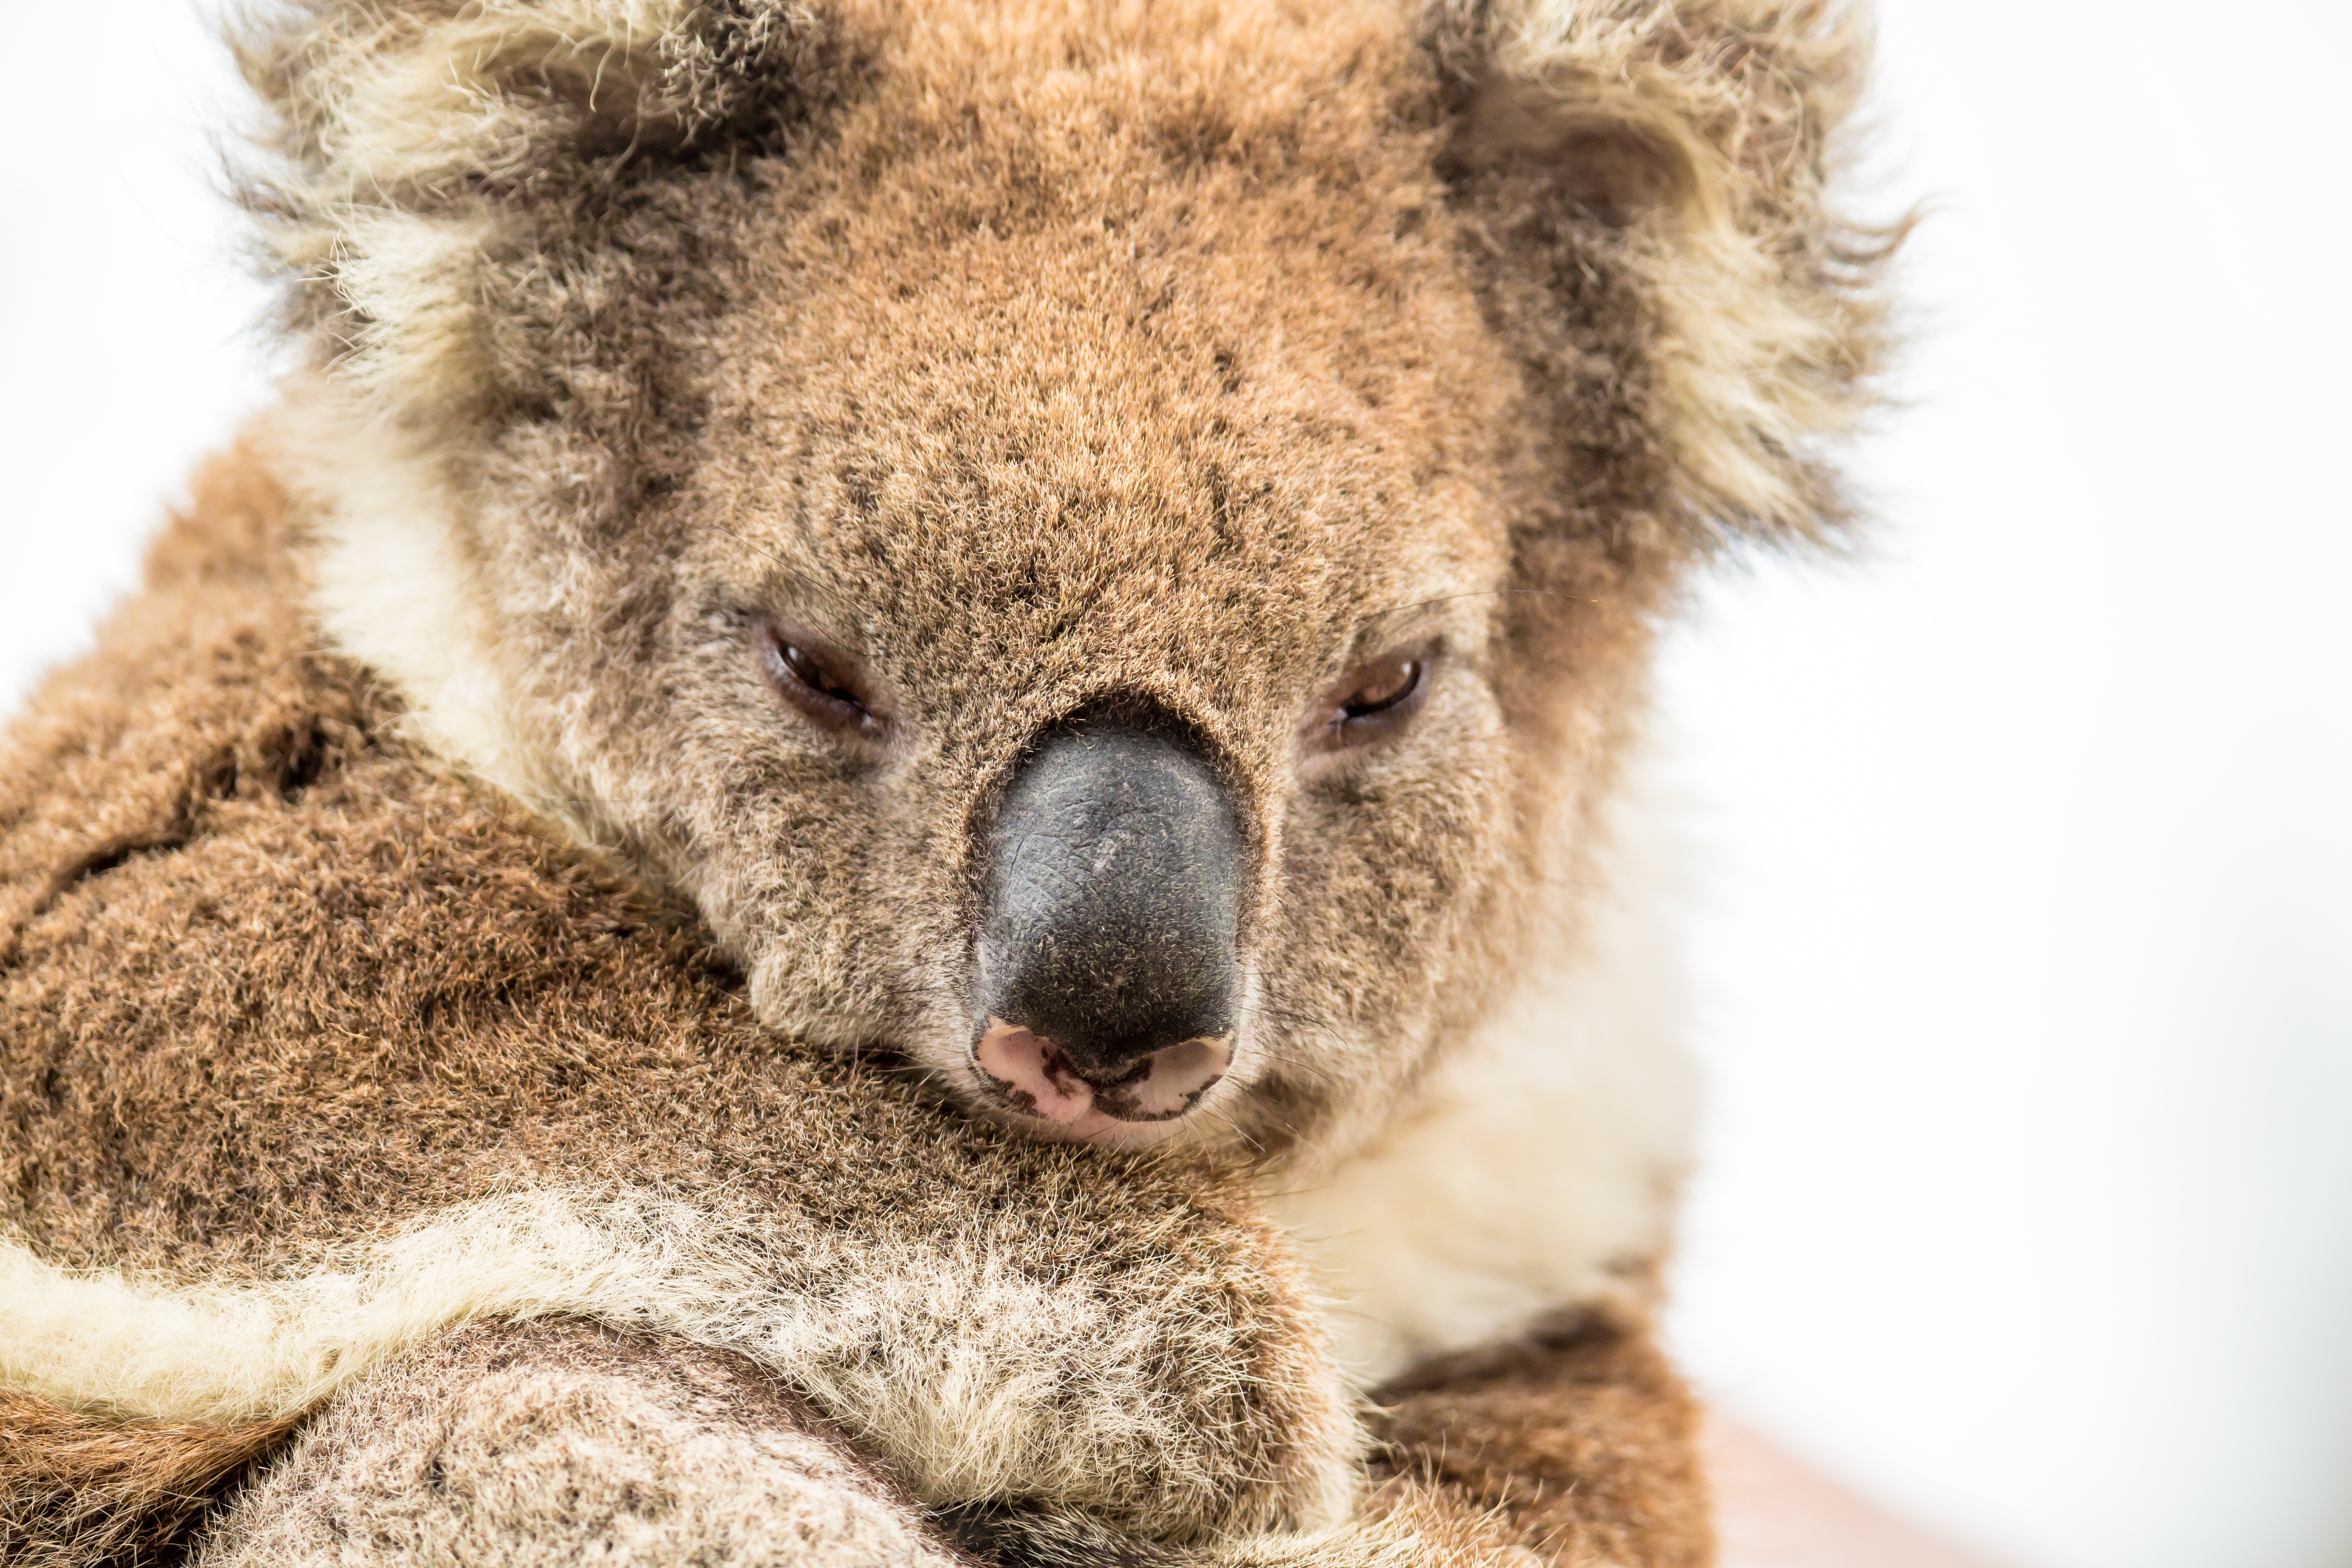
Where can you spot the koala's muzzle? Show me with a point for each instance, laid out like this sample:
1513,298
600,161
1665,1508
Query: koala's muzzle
1108,966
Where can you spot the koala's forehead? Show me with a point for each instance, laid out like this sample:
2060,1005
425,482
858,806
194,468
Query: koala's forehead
1102,307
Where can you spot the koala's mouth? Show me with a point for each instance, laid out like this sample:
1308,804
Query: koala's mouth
1030,1074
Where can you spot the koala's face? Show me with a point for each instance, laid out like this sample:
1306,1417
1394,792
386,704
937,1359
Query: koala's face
1081,657
1109,557
1088,677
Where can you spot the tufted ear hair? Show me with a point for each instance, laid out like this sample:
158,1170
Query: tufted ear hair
1662,167
443,179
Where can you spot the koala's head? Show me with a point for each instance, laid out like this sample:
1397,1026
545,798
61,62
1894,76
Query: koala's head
1108,548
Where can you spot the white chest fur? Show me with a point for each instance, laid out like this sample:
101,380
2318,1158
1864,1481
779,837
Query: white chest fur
1541,1170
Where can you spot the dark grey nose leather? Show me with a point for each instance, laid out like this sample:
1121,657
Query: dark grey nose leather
1115,874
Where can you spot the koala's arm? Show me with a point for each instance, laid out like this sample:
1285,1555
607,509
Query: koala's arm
1576,1446
515,1446
1579,1443
511,1444
518,1445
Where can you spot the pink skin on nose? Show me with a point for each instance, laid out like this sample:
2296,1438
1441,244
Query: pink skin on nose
1039,1080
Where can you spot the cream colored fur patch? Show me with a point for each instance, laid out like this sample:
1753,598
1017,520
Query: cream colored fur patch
1540,1169
392,588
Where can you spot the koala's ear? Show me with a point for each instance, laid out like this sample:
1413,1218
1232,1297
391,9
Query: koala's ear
444,180
1654,173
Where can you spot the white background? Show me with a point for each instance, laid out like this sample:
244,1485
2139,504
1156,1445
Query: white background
2025,953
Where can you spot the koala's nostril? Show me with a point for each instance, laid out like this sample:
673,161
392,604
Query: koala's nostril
1166,1082
1032,1074
1115,868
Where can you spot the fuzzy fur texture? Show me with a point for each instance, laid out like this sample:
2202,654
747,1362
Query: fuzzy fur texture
1708,132
317,1055
1022,352
1539,1165
1576,1440
313,1052
422,917
581,1444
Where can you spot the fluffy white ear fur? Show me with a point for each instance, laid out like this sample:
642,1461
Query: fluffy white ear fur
1711,127
1540,1171
393,125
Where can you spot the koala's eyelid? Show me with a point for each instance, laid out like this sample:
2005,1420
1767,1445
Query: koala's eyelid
834,689
1369,698
1328,728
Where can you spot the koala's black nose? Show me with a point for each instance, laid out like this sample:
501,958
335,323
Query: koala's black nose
1115,875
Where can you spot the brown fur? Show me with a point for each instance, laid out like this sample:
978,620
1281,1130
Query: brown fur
77,1486
331,987
1077,358
1027,354
583,1443
1581,1440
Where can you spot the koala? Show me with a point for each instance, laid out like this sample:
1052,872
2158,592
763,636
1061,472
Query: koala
897,817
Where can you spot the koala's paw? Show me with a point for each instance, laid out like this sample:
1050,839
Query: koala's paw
1399,1526
515,1446
1158,1368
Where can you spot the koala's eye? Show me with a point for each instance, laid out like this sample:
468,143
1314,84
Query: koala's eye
820,680
1380,686
1374,699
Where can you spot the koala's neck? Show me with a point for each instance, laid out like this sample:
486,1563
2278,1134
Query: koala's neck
1539,1169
